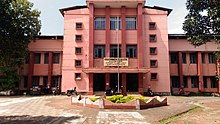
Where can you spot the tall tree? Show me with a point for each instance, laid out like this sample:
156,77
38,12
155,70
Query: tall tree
202,24
19,24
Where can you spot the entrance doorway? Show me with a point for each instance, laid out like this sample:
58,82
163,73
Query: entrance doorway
132,82
114,80
99,82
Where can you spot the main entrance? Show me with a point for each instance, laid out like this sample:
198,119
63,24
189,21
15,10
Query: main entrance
132,82
99,82
114,80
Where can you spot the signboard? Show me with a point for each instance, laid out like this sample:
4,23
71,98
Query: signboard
115,61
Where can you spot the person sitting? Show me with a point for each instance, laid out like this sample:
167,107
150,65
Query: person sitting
149,91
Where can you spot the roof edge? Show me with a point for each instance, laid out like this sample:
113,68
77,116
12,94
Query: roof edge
71,8
160,8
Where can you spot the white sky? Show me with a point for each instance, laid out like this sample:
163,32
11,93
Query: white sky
52,20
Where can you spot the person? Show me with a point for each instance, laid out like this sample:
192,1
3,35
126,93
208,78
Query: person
74,91
149,91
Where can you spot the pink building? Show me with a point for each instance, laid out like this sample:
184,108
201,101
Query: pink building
99,34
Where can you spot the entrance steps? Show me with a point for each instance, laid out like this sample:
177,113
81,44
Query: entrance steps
101,93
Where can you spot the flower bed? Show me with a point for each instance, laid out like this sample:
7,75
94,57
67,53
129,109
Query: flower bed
120,102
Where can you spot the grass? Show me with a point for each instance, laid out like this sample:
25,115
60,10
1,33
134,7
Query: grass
177,116
93,99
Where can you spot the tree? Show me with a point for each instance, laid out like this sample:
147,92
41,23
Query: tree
202,24
19,25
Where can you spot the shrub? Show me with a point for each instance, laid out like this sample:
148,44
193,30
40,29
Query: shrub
93,99
120,99
142,98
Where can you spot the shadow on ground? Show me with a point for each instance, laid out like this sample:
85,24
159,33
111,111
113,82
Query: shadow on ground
26,119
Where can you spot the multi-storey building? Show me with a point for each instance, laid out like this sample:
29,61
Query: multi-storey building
107,40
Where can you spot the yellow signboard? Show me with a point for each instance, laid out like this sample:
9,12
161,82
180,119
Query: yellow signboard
115,61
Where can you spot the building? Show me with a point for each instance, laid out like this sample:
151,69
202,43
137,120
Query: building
107,40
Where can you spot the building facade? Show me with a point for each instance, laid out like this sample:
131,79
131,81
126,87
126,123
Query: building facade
111,42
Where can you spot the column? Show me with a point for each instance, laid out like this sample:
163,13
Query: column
91,84
140,83
124,82
107,81
31,70
107,31
123,33
91,34
200,72
218,72
180,69
50,69
140,34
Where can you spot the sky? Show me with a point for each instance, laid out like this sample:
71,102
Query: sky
52,20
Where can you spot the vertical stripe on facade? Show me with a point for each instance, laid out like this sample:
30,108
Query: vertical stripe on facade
107,31
124,82
107,81
50,68
180,69
200,71
140,83
123,35
140,34
31,70
91,34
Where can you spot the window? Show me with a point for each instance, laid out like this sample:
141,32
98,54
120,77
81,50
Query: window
78,38
153,76
78,50
152,25
174,58
56,58
214,83
205,83
211,58
203,58
55,81
193,58
99,51
45,81
46,58
36,80
37,57
131,51
184,58
115,23
131,23
78,63
78,76
175,81
78,25
152,38
153,63
27,59
153,50
25,81
185,81
114,51
99,23
195,82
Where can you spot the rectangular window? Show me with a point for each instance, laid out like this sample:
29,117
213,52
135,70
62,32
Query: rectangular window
46,58
152,38
99,23
153,50
131,23
153,63
78,25
115,23
25,81
56,58
37,57
152,26
195,82
78,51
153,76
211,58
36,80
45,81
78,38
175,81
184,58
203,58
27,59
185,81
214,83
205,83
114,51
78,76
174,58
78,63
55,81
99,51
131,51
193,58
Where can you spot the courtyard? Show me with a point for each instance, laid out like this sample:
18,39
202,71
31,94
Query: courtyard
57,109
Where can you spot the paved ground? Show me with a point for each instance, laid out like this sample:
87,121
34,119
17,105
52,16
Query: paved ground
57,109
